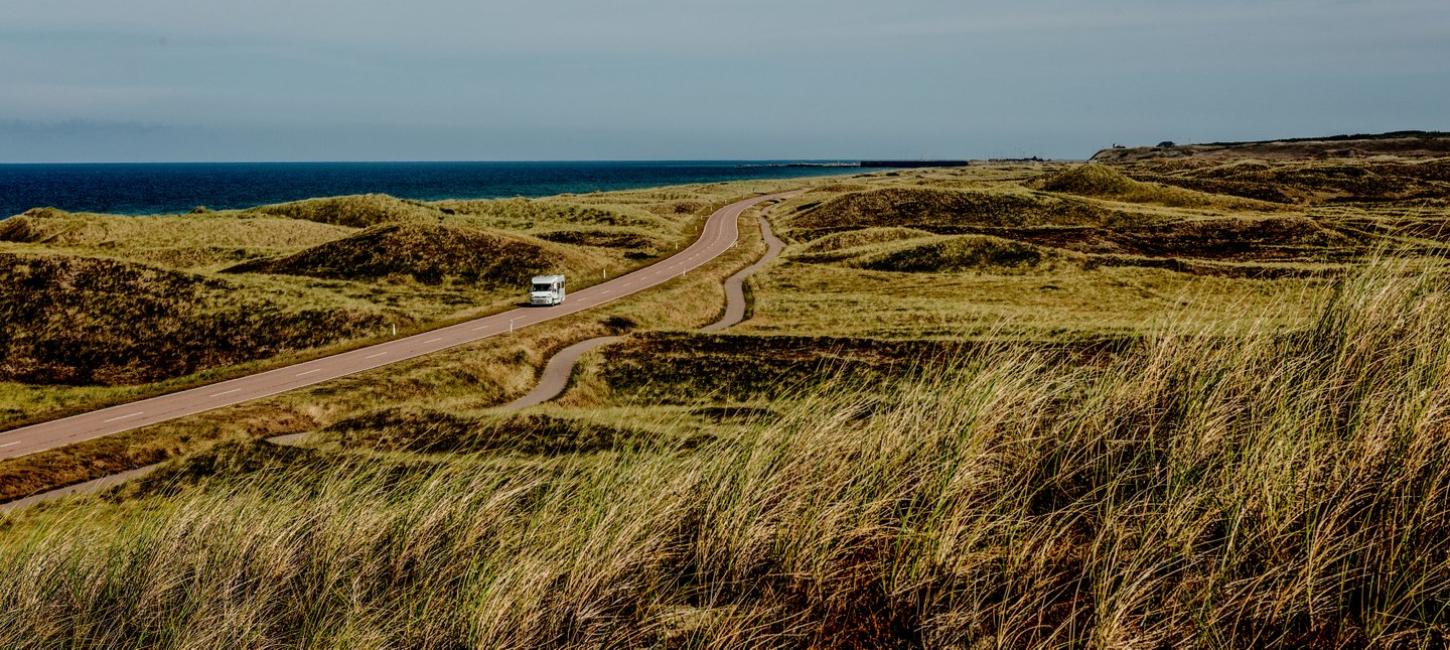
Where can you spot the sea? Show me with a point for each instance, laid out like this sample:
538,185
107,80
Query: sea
165,188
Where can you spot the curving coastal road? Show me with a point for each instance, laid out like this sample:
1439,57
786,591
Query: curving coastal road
719,235
555,377
735,303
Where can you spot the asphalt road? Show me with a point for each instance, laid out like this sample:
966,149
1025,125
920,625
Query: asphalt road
719,234
735,303
555,377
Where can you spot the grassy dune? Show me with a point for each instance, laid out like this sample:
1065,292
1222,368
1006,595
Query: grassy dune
359,211
78,320
1301,182
169,301
947,253
430,254
1106,182
1190,490
1000,406
928,207
464,379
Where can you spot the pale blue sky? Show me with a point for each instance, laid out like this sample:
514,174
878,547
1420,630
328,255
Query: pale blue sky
144,80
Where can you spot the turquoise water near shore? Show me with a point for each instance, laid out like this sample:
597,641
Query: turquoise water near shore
154,188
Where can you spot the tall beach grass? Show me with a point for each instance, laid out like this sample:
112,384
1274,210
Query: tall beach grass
1275,489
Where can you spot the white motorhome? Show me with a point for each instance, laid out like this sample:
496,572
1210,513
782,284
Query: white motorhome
547,290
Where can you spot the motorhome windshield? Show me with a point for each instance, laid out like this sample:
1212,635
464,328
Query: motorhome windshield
543,286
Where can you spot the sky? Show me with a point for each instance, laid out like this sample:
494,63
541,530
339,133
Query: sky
198,80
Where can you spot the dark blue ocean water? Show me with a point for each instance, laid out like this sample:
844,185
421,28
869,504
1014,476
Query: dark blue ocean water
151,188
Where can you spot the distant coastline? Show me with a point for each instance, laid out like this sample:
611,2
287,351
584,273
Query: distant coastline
873,164
169,188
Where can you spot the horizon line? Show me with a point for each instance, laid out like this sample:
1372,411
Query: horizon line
842,160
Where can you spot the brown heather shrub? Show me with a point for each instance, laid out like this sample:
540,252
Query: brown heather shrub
428,253
929,208
82,320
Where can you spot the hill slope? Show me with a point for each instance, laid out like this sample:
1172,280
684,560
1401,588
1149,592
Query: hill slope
180,241
428,253
1101,181
927,208
357,211
1406,144
77,320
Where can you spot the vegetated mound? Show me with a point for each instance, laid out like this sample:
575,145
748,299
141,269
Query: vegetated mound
676,208
1355,182
1408,144
957,253
690,368
429,253
20,229
76,320
838,187
46,212
39,224
1106,182
1248,189
530,214
849,239
357,211
1249,239
1422,220
1242,239
1090,180
176,241
929,208
602,238
1375,180
434,431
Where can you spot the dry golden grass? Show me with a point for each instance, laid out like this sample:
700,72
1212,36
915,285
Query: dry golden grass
188,242
436,263
431,254
1106,182
466,378
1271,490
943,454
360,211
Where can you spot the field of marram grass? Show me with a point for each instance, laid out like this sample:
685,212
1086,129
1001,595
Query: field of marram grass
102,308
998,406
1041,251
469,377
1048,304
1280,488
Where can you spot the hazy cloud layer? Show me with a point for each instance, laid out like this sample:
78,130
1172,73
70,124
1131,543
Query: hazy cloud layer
510,79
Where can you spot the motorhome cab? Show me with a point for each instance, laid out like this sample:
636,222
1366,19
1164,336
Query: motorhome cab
547,290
